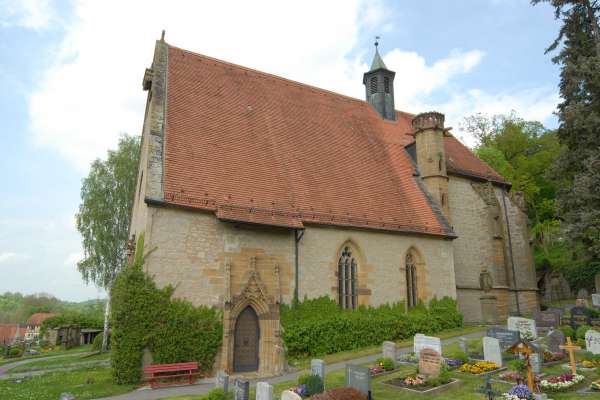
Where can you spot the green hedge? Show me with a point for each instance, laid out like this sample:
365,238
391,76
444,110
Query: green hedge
144,316
73,318
319,326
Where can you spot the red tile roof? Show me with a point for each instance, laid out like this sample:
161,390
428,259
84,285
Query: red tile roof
37,318
257,148
8,332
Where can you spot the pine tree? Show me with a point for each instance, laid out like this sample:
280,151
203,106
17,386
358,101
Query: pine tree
578,55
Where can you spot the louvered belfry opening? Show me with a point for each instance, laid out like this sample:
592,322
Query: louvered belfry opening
347,271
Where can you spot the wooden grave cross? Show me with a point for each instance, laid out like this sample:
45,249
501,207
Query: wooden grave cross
523,348
570,347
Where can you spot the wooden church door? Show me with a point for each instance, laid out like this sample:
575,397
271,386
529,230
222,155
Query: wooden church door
246,341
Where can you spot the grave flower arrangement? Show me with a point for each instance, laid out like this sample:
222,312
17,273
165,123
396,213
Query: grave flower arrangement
514,376
414,381
518,392
595,386
479,367
453,362
561,382
552,357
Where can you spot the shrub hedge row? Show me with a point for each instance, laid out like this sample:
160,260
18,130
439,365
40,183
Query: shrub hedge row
145,317
318,326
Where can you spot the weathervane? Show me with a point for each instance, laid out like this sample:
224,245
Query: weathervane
377,41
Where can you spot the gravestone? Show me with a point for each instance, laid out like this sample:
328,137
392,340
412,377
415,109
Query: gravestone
525,326
389,350
595,323
546,320
582,303
317,367
359,378
596,300
264,391
579,316
241,389
556,310
536,359
592,341
222,381
462,343
506,337
554,340
583,294
430,362
492,351
289,395
421,341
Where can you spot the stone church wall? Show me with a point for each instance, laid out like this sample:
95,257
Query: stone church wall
479,221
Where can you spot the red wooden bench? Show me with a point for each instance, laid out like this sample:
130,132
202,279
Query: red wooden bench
171,374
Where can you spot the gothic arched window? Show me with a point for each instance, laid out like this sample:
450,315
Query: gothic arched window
373,84
411,281
347,294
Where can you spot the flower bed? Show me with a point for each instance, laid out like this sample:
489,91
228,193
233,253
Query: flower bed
382,366
453,363
516,377
551,358
560,383
480,367
421,384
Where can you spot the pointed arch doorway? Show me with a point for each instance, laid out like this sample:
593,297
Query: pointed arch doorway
246,341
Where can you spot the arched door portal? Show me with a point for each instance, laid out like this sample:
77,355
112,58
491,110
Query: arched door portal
246,341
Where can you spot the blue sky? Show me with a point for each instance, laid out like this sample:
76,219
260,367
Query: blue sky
71,72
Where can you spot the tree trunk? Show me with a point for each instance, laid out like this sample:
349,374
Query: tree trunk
106,318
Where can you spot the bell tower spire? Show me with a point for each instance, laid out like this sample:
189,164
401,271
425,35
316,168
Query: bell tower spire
379,86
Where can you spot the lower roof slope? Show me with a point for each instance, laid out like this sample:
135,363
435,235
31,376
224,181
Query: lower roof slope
257,148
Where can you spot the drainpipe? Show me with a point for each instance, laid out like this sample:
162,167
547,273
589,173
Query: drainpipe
510,251
297,237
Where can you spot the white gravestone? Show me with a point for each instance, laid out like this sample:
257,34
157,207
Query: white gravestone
525,326
492,351
289,395
389,350
596,299
536,359
592,341
317,367
264,391
421,341
222,381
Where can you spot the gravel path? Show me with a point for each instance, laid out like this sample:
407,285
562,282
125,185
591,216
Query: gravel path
205,385
4,368
46,370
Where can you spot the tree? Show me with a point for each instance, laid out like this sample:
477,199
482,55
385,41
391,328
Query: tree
104,214
578,45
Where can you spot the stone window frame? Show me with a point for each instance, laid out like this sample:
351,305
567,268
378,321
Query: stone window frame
417,276
347,275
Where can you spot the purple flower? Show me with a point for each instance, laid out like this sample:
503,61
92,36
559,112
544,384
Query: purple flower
521,391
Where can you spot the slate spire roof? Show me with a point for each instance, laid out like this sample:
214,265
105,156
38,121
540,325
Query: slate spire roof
256,148
377,61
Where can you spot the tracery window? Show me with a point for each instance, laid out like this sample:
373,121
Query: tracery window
411,281
347,293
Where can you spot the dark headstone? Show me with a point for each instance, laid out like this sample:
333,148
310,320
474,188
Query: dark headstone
241,389
546,319
579,316
569,307
506,337
583,294
359,378
556,310
554,339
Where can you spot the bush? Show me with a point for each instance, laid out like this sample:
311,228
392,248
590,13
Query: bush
580,332
302,379
459,355
219,394
568,331
145,317
15,352
386,363
319,326
97,343
314,385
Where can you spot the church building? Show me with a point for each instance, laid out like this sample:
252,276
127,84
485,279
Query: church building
255,190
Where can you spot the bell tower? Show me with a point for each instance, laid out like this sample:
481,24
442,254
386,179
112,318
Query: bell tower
379,87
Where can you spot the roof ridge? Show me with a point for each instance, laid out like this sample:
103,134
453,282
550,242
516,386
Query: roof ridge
297,83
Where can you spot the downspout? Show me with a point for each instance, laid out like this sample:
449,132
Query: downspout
297,238
510,250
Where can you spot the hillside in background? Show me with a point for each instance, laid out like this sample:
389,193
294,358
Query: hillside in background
16,307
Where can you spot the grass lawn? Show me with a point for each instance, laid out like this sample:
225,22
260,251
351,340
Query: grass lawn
367,351
66,361
87,383
73,350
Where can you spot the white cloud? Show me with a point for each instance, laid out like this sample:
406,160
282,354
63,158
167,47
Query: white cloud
73,258
31,14
7,256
